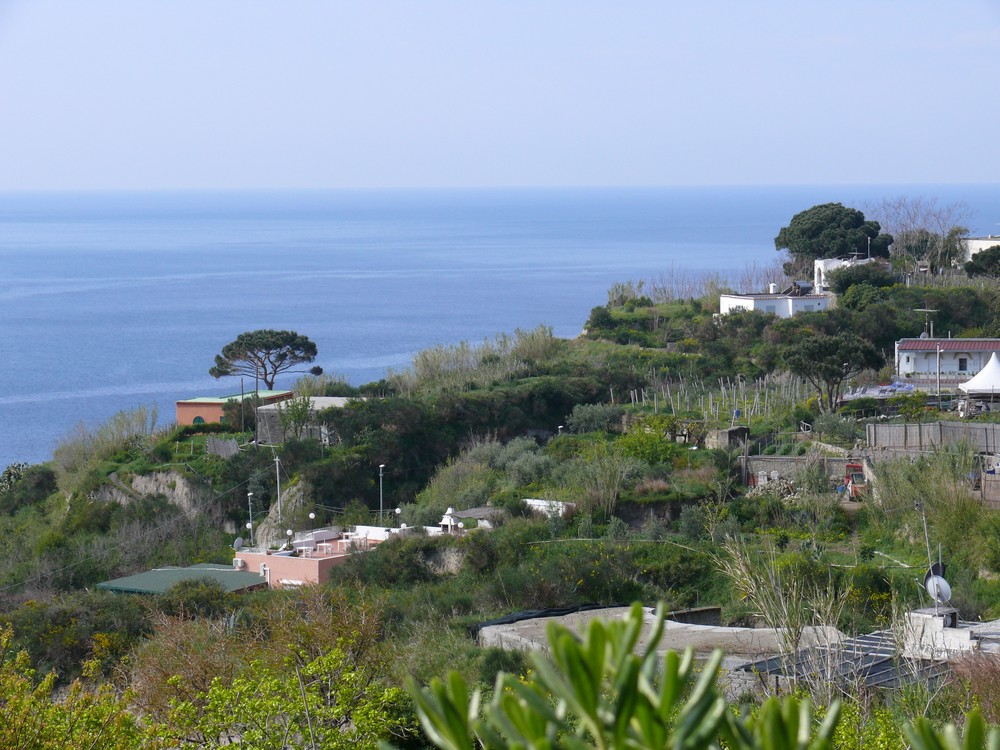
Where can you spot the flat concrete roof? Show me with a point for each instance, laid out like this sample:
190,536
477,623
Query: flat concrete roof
739,644
318,403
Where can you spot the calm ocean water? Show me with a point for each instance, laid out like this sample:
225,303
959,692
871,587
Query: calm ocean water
110,301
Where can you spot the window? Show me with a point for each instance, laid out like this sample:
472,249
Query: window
963,364
907,359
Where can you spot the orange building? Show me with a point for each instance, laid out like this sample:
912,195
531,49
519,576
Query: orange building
209,409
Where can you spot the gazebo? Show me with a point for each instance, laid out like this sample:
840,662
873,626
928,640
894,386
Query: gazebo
983,387
986,382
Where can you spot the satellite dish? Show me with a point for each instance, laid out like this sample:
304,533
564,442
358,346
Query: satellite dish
238,544
937,587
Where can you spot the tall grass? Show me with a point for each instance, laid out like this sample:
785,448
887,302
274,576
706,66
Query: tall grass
463,366
937,487
83,449
679,284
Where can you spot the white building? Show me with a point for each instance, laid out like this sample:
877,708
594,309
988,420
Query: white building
271,432
786,304
824,266
953,358
975,245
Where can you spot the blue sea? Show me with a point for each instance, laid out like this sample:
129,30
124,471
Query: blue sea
110,301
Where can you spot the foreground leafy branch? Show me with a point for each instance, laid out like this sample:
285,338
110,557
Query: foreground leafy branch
599,693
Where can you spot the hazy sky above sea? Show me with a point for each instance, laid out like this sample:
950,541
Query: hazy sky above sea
125,94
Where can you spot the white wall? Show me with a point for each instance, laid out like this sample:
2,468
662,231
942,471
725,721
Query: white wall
780,304
975,245
923,363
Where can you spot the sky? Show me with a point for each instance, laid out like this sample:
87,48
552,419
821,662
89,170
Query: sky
208,94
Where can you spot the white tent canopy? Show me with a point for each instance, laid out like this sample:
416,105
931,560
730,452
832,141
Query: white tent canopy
987,381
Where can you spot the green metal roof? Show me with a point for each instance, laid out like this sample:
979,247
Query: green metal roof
158,580
264,395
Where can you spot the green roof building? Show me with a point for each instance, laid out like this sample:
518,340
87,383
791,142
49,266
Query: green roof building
158,580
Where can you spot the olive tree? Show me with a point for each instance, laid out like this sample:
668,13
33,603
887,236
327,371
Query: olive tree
826,361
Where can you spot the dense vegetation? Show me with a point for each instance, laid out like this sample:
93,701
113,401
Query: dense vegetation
614,422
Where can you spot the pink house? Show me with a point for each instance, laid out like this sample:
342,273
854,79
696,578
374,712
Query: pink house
311,557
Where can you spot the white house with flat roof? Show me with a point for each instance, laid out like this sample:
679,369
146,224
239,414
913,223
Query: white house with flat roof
825,266
785,304
975,245
270,430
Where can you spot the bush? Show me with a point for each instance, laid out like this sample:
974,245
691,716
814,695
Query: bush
595,418
692,522
600,318
497,660
32,485
198,597
871,274
842,430
62,634
860,407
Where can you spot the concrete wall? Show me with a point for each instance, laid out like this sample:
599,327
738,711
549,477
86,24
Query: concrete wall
788,467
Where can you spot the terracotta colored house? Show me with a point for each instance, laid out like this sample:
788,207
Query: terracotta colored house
209,409
310,556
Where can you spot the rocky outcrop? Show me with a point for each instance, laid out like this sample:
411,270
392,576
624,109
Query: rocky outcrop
186,494
272,531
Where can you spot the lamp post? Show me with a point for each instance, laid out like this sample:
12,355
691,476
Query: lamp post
250,517
398,512
381,468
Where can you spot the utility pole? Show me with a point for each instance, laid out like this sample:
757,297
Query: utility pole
277,474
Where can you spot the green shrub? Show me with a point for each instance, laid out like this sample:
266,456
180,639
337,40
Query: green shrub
595,418
198,597
836,428
860,407
32,485
497,660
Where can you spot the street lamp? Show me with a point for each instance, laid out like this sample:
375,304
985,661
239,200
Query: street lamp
381,468
250,510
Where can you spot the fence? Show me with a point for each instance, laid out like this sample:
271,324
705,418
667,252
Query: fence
916,438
